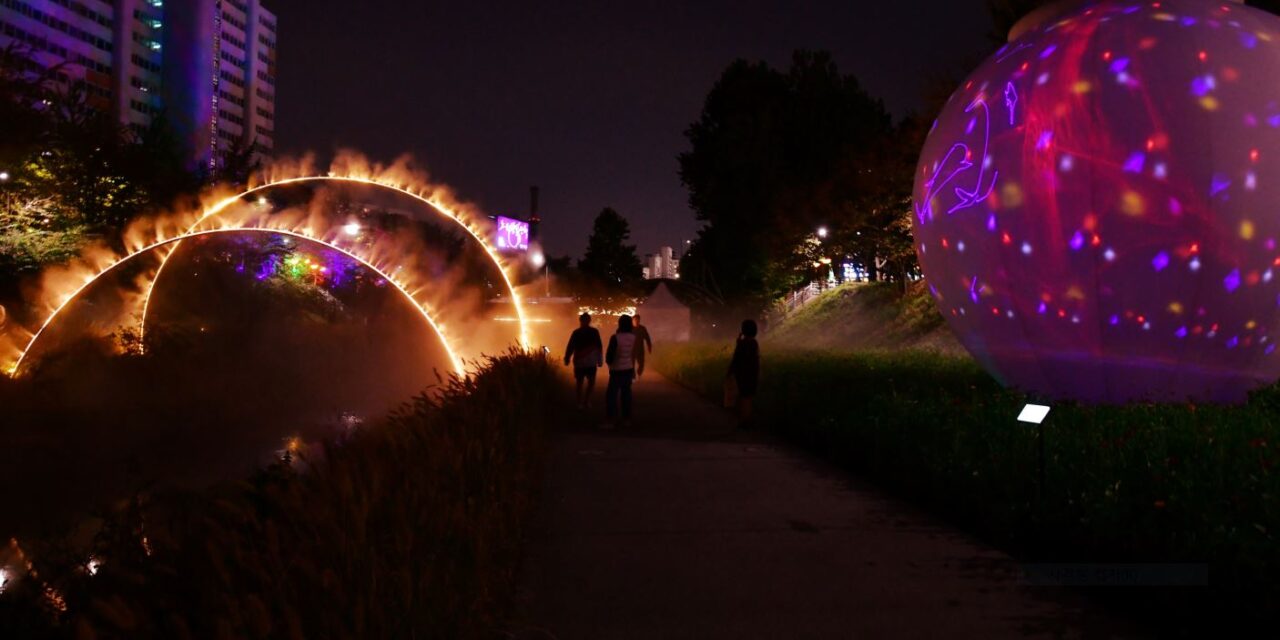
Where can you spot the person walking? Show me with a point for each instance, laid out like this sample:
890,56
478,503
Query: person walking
622,356
587,354
744,370
642,337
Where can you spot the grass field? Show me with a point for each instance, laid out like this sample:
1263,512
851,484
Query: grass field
868,316
408,528
1140,483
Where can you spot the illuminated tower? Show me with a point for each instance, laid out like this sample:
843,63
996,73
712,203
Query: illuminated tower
219,75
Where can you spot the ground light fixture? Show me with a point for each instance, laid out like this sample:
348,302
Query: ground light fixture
351,228
1033,413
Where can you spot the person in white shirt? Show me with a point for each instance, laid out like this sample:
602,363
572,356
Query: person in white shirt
623,355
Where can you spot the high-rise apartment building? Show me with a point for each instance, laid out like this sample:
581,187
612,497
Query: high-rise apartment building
663,264
207,65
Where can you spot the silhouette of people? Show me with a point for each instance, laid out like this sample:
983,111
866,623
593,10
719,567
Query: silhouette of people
587,354
642,336
623,356
744,368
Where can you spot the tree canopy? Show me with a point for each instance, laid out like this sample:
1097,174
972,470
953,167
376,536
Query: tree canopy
610,263
777,154
72,171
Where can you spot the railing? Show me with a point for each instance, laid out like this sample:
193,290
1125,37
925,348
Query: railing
805,295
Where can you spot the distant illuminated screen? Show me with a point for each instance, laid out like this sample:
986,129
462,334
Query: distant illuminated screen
512,235
1096,209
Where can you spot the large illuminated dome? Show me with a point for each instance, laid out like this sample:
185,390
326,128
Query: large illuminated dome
1098,206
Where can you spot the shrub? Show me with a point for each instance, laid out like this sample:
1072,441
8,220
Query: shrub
410,528
1135,483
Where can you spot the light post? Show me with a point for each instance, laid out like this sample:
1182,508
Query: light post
540,262
4,181
823,262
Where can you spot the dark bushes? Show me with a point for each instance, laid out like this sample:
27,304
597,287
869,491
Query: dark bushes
1141,483
409,528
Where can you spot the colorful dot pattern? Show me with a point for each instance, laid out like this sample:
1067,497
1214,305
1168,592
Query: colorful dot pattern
1097,207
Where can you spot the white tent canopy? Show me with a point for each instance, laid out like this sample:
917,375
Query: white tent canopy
665,316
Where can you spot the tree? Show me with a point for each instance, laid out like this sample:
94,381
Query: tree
23,124
237,164
1006,13
610,263
37,223
764,154
72,171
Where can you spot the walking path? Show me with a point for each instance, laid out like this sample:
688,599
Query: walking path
680,528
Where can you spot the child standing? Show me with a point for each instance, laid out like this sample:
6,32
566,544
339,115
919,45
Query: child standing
744,368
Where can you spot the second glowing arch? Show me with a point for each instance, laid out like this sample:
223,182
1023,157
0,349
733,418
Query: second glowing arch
469,226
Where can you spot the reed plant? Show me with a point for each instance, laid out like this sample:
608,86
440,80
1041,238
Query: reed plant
408,528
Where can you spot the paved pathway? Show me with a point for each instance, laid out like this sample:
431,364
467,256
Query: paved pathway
680,528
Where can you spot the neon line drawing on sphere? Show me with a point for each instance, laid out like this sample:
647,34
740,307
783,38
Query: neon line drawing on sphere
1011,100
968,198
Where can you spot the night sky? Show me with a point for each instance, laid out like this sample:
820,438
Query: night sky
588,100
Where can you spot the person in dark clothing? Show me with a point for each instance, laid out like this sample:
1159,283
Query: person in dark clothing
623,356
642,336
744,368
587,354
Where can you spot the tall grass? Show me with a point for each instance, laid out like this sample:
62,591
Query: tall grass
1137,483
411,528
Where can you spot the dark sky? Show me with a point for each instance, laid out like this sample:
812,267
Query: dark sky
588,100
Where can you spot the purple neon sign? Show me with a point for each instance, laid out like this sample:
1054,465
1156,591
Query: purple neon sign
512,234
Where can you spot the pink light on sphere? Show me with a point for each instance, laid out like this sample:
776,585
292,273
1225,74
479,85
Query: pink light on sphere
1113,176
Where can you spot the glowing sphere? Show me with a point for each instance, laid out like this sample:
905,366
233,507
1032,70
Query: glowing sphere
1098,206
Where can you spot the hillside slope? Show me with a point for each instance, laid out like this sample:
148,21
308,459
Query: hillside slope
868,316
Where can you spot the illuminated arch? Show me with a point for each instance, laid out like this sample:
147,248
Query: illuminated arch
440,207
423,308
